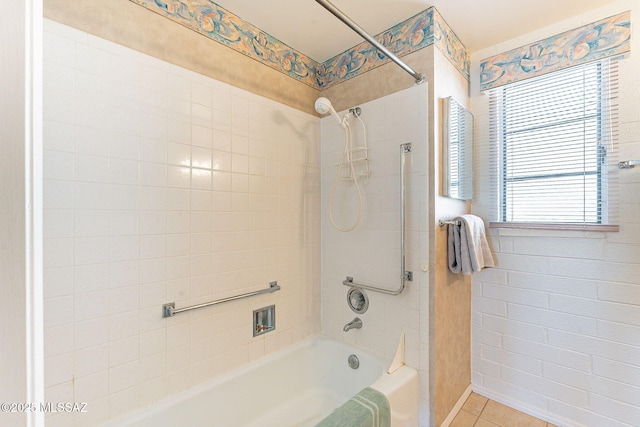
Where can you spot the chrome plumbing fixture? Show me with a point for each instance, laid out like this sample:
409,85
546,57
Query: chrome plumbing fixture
405,275
264,320
170,310
354,324
354,362
357,300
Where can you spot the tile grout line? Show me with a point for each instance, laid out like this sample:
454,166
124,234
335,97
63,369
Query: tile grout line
482,410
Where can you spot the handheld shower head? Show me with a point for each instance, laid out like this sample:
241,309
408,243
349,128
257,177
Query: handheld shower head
323,106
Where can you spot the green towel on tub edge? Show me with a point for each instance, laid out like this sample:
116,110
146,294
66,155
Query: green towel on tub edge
369,408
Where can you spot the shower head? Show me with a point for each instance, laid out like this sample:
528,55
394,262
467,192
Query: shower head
323,106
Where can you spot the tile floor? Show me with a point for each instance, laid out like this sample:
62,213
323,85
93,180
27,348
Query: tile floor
478,411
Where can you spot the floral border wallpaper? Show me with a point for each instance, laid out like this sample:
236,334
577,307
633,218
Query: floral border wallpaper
219,24
607,37
450,45
403,38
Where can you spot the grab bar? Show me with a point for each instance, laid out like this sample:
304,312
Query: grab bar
404,274
169,309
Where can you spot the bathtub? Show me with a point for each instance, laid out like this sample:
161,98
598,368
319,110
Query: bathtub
297,386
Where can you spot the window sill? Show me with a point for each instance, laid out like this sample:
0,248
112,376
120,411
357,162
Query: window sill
546,226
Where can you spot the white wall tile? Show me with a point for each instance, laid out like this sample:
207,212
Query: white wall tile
58,369
58,223
90,360
179,154
124,350
625,373
58,105
58,311
123,376
123,273
123,223
61,136
152,366
624,313
202,94
552,319
91,333
552,389
60,282
57,340
58,165
90,305
91,387
123,325
620,411
131,187
548,352
91,141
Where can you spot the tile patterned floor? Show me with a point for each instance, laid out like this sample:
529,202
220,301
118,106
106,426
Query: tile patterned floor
478,411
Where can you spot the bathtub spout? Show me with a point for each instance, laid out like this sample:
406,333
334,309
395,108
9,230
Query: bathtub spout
354,324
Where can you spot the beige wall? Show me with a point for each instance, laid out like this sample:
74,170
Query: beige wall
133,26
451,293
12,250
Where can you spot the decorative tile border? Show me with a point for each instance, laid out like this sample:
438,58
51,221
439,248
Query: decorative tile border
450,45
401,39
217,23
607,37
415,33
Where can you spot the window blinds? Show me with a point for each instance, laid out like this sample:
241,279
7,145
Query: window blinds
553,147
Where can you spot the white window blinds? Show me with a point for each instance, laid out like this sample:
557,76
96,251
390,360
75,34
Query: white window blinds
553,147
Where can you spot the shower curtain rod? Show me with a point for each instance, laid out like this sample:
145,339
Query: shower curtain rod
419,78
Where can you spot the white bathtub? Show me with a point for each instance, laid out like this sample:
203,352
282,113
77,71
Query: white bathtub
297,386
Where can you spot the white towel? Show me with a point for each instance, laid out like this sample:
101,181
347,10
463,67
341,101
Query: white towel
468,247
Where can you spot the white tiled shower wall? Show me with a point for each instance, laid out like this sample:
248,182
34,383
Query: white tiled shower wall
556,327
164,185
370,253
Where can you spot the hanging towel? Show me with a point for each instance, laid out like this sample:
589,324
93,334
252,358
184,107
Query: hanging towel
369,408
468,250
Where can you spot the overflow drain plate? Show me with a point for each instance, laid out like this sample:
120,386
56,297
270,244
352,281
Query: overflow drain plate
358,300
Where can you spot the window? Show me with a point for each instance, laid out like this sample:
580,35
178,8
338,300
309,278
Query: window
553,144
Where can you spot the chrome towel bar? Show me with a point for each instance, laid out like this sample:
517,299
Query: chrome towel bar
442,222
169,309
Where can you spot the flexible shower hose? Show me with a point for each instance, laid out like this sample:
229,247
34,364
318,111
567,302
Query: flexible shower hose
345,154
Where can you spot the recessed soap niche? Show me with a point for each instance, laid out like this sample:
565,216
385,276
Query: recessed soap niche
264,320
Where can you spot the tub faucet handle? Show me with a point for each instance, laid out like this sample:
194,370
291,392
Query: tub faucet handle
354,324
